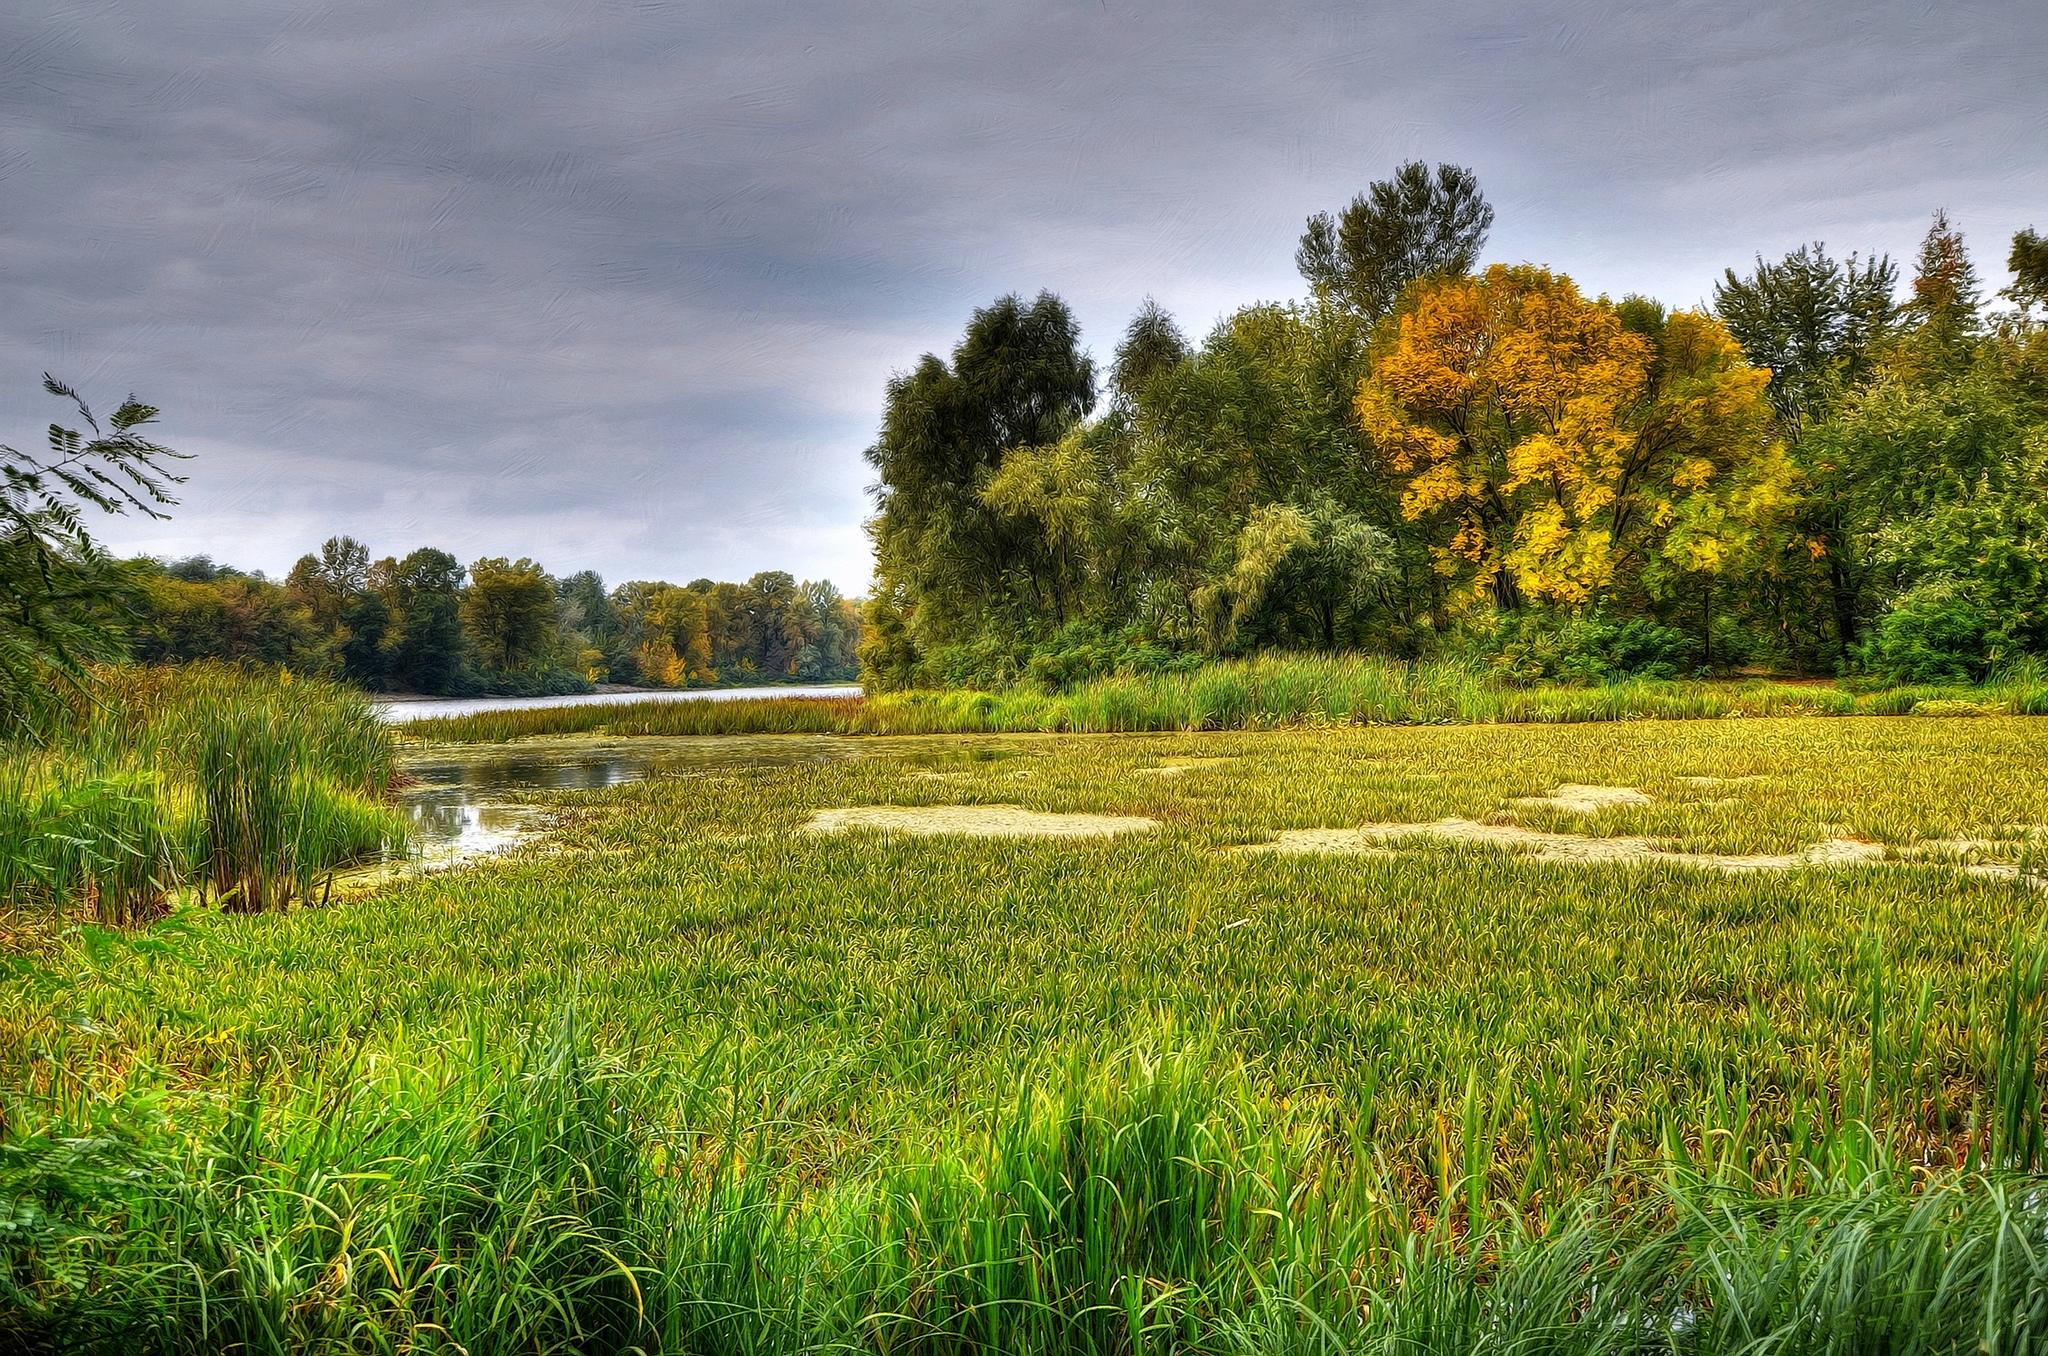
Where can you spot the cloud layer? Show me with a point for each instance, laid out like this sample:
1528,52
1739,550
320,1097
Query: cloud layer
618,285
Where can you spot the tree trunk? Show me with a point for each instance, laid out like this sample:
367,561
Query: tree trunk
1844,595
1707,622
1507,594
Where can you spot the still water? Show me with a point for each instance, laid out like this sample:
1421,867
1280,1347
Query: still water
398,712
464,800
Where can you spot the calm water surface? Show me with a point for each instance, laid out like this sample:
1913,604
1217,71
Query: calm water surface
469,800
398,712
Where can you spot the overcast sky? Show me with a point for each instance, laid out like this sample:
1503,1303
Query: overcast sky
618,285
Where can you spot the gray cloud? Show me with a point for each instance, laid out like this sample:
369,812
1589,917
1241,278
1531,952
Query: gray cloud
619,285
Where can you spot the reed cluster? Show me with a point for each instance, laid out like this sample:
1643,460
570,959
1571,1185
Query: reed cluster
242,787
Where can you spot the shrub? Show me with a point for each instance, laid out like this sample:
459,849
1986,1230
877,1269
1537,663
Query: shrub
1934,633
1078,653
1587,649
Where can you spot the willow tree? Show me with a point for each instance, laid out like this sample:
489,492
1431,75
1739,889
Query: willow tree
1555,449
944,558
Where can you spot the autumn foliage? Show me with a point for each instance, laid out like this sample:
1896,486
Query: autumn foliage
1561,444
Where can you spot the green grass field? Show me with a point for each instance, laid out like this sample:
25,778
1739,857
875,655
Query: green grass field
685,1076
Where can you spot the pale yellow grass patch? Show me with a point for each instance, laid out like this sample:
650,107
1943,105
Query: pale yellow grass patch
1180,767
976,821
1584,800
1569,847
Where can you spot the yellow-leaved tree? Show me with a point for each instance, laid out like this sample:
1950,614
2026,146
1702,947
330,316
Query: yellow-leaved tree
1561,445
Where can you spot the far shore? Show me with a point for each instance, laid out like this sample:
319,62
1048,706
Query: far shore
402,708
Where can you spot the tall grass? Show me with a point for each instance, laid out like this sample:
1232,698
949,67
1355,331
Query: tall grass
241,786
1249,694
1141,1203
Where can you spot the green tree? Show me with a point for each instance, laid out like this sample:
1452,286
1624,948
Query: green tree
674,646
1944,304
831,634
1819,324
328,582
775,622
1902,458
1314,564
192,610
430,654
63,601
1260,415
1017,379
365,628
2029,264
589,626
1419,222
508,612
1152,344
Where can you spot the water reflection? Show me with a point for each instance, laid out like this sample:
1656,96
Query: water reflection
464,800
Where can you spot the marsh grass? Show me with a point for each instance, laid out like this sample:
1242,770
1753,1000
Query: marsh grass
555,1201
875,1093
244,787
1263,693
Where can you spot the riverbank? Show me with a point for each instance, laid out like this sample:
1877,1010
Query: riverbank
1262,693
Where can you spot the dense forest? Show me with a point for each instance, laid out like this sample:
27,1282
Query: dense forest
1818,471
424,623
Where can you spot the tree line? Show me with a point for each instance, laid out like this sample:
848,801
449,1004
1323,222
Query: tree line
423,623
426,623
1817,471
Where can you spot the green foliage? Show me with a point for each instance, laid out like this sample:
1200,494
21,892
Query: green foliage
508,611
223,615
1934,633
1016,380
425,624
1152,345
1418,223
64,597
426,594
2029,264
1413,453
1943,308
1078,652
1589,648
1817,323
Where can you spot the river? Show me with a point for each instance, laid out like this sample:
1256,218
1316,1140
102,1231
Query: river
400,710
